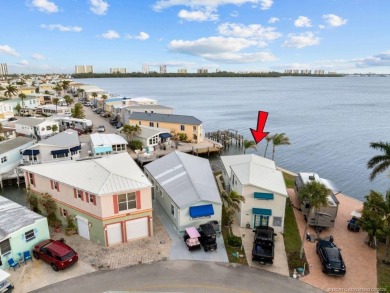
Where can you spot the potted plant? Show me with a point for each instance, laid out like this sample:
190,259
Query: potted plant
70,227
54,222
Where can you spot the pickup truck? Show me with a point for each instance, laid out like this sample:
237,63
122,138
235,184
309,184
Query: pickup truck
263,245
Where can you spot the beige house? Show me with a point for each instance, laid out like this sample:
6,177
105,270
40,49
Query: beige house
188,125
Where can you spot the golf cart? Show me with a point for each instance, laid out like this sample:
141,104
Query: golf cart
353,223
191,238
5,286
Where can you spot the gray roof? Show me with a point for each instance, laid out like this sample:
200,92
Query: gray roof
147,132
110,174
187,179
143,107
169,118
67,138
29,121
14,217
10,144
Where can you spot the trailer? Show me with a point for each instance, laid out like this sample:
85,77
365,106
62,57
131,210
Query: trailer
84,125
325,216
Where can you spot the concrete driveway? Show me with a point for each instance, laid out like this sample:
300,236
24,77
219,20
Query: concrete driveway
179,249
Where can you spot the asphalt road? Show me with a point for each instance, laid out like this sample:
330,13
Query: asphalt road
182,276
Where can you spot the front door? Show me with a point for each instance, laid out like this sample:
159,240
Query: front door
82,227
260,220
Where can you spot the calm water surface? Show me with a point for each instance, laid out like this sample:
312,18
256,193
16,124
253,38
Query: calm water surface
330,121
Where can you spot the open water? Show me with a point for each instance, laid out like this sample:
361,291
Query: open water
330,121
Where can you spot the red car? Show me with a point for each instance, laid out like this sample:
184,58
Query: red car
56,253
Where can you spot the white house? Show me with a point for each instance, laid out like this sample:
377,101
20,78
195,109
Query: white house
50,110
10,152
185,187
151,136
263,187
7,132
125,111
29,102
102,144
6,110
61,146
35,127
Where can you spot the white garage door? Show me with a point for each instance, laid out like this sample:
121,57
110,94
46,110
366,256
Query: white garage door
114,233
137,228
82,227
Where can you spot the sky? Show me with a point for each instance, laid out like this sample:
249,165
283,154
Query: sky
52,36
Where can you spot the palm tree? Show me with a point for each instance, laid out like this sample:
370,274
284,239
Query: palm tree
279,139
268,139
94,95
231,204
22,96
55,102
130,130
379,163
316,195
58,89
77,111
65,84
68,100
10,90
104,98
249,144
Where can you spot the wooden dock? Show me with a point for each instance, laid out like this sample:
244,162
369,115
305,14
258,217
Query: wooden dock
226,138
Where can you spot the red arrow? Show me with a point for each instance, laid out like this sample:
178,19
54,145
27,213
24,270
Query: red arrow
259,134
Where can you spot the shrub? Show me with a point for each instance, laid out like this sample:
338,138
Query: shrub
182,137
135,145
234,241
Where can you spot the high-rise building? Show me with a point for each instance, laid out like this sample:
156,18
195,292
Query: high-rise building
305,71
319,71
118,70
83,69
163,69
3,70
182,70
145,68
203,71
288,71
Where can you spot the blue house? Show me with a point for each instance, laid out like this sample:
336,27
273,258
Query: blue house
20,230
11,152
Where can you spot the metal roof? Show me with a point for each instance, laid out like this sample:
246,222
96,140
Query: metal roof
14,217
67,138
169,118
148,132
11,144
29,121
187,179
109,174
136,107
99,139
228,161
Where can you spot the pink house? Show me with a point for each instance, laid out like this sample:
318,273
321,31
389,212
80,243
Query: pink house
109,197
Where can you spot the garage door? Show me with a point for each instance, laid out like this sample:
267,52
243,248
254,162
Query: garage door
114,233
82,227
137,228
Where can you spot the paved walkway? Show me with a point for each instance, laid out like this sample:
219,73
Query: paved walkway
179,249
359,259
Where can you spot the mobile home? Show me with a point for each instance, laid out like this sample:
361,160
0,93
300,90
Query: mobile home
68,122
326,215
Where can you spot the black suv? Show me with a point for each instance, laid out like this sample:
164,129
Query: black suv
331,259
208,237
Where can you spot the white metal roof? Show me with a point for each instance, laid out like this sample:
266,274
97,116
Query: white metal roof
148,132
187,179
13,217
99,139
109,174
67,138
29,121
228,161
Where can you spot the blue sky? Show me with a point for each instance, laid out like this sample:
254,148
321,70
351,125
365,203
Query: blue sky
47,36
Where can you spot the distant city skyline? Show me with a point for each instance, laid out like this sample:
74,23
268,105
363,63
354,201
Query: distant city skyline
53,36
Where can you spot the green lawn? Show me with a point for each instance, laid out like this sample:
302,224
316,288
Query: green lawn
289,180
383,270
292,240
230,250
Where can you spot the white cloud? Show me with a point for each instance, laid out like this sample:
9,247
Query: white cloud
110,34
382,59
37,56
273,20
334,20
221,49
98,7
301,41
142,36
23,62
321,26
198,15
45,6
61,28
8,50
302,21
252,31
163,4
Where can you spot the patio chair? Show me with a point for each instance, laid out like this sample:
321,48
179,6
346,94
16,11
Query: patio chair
27,256
13,264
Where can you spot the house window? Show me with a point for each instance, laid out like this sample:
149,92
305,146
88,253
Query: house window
151,124
277,222
30,235
32,158
127,201
64,213
4,159
194,136
182,127
161,194
56,185
139,122
57,156
48,127
91,198
5,247
156,123
31,178
79,194
173,210
194,128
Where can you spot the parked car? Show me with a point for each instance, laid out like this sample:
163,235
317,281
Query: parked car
331,260
95,109
113,121
118,125
208,237
353,223
263,245
105,114
101,128
12,119
56,253
98,111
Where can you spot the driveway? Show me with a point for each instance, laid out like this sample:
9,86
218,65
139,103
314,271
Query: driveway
179,249
183,276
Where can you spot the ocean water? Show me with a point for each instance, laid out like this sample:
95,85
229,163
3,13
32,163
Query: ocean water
330,121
